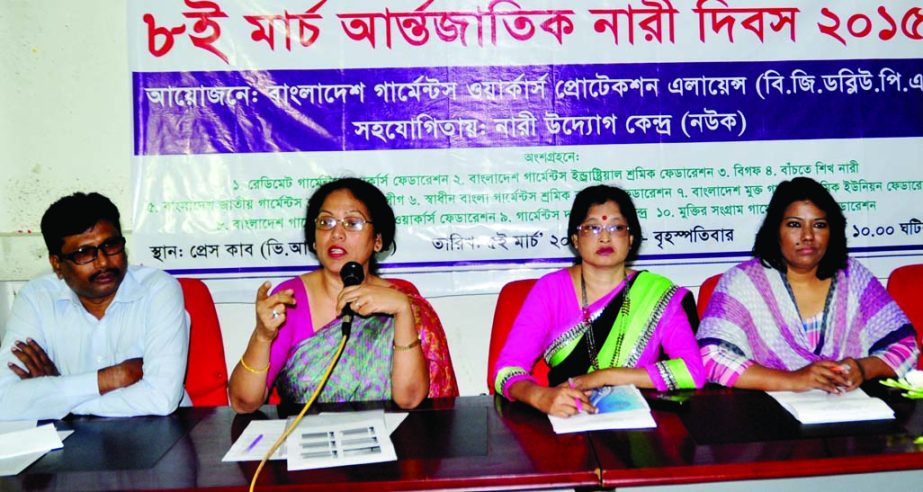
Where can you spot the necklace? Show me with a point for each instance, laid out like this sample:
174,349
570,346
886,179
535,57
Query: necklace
621,322
590,338
619,325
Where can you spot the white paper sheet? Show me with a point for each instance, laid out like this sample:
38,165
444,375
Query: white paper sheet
12,466
270,430
15,425
328,440
42,439
255,441
15,464
820,407
392,420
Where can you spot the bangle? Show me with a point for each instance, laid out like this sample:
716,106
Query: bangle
254,371
861,371
405,347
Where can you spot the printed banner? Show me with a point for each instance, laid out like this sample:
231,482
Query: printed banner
480,120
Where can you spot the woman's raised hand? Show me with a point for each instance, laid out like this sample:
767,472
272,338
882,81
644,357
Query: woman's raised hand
270,311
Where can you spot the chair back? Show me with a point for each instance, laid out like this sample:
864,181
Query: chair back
905,284
510,300
705,292
206,371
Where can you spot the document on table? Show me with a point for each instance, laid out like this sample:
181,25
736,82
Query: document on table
819,407
254,442
8,426
21,447
339,439
620,407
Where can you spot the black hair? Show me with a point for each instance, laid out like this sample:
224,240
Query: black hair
74,214
597,195
382,215
767,248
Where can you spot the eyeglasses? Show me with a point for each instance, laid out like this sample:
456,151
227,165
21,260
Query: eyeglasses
351,224
88,254
619,230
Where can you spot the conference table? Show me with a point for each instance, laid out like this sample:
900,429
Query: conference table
482,442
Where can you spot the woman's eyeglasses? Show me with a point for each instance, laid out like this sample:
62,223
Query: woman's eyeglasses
88,254
351,224
619,230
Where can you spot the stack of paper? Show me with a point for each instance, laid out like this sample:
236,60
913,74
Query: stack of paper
819,407
21,443
325,440
254,442
338,439
620,407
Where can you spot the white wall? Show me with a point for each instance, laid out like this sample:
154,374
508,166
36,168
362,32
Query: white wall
65,116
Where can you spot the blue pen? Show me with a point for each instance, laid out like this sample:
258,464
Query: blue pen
254,443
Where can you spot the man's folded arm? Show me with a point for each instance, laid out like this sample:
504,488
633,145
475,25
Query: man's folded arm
166,344
49,397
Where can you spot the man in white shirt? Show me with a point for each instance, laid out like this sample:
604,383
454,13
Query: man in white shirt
96,336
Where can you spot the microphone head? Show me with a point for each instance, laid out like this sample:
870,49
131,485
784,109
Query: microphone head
352,274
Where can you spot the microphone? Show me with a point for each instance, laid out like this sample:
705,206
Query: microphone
352,274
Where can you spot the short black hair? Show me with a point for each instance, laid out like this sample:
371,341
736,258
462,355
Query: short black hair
766,247
597,195
382,215
74,214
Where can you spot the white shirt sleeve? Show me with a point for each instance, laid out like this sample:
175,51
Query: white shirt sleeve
165,348
151,323
50,397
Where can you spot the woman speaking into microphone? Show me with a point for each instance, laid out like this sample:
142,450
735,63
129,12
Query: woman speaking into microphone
397,348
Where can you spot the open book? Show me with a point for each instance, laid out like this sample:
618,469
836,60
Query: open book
819,407
620,407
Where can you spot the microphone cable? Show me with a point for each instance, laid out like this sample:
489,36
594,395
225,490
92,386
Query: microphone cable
351,274
284,436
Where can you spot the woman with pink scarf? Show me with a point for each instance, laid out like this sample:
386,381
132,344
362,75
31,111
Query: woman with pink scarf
801,315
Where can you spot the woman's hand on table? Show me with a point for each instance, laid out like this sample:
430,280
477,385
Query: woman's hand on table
591,381
824,375
562,401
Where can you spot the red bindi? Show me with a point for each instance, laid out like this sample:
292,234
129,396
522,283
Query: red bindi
604,217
